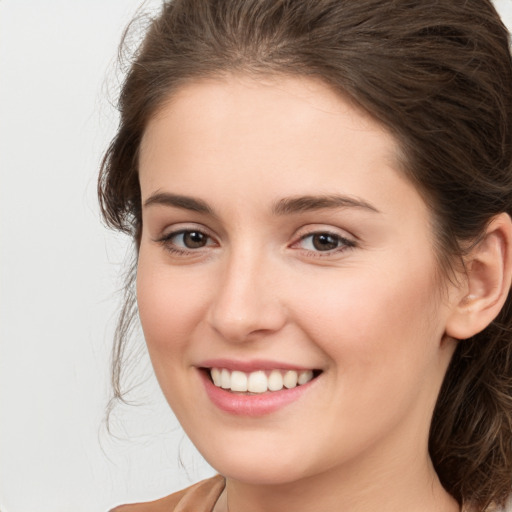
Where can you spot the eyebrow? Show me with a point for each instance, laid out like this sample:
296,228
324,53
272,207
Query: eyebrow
285,206
178,201
301,204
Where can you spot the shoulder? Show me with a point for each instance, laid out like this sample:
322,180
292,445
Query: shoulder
197,498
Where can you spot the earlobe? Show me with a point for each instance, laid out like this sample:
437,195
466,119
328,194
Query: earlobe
487,281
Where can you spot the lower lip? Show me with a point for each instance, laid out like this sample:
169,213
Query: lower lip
252,405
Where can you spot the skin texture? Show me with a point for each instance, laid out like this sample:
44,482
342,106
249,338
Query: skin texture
372,314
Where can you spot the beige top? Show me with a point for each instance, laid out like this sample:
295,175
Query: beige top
202,497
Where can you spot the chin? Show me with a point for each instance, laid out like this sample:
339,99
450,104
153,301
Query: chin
258,475
258,467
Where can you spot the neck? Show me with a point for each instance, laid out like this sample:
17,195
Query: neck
412,485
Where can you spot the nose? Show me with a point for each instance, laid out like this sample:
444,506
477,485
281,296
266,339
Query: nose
247,304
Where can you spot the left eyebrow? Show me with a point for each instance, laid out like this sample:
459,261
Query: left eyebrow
178,201
300,204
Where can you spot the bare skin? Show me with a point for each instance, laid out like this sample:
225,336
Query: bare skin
344,281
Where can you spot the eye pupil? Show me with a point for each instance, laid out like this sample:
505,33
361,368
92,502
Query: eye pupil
324,242
194,239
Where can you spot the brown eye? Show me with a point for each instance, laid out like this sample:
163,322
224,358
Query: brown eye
325,241
184,240
194,239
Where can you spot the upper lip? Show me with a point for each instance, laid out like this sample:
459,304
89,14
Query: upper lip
251,365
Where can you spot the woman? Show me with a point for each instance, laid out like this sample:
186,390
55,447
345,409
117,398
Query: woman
319,193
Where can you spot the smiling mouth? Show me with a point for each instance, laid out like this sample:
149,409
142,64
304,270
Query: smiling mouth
260,381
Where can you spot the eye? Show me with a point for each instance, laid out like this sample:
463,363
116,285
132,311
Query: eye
189,239
324,241
185,241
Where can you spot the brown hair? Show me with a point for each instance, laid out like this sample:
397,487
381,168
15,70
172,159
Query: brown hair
438,75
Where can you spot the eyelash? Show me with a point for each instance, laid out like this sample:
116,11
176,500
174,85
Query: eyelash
343,243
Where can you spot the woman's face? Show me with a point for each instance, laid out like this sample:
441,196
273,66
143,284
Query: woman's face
280,242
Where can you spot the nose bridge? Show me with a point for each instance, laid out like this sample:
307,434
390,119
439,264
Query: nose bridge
246,302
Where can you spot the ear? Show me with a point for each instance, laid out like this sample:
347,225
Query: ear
486,283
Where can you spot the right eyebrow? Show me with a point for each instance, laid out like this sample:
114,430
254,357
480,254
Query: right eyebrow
299,204
178,201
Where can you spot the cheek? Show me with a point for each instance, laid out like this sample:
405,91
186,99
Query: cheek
381,335
374,320
170,306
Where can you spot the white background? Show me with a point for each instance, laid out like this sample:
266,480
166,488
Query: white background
59,269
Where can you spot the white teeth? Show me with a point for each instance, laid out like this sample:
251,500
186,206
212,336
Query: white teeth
259,381
238,381
225,379
304,377
275,381
290,379
216,377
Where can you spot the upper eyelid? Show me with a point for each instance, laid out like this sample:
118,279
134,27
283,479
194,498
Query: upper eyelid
173,230
312,229
326,231
183,231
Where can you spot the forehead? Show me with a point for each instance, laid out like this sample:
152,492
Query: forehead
295,103
265,115
236,89
273,137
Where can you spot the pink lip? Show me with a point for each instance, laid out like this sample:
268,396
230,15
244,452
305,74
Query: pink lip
250,366
252,405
